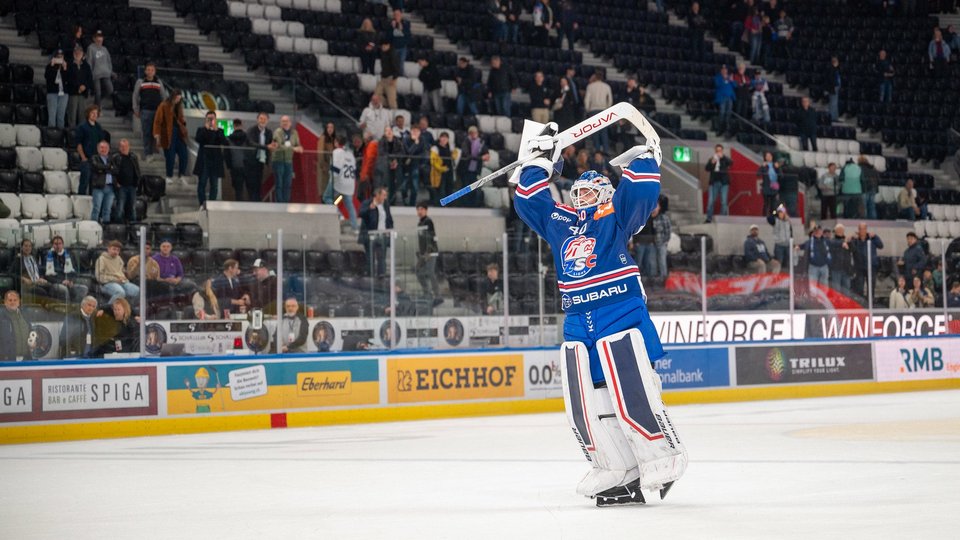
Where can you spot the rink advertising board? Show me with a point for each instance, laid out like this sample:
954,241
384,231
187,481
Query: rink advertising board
733,327
214,388
784,364
924,359
694,368
862,325
61,394
542,369
454,378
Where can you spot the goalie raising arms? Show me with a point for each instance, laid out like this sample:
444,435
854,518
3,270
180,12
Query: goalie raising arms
611,392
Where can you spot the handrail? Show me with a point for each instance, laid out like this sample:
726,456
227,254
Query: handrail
761,130
737,195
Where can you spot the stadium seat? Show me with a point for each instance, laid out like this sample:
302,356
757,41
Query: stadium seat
31,182
37,230
9,181
33,206
59,207
28,135
82,205
29,158
54,159
89,233
56,182
68,231
9,232
8,135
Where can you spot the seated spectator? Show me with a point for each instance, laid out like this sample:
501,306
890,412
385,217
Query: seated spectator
374,119
155,289
15,342
58,96
35,288
263,290
921,296
204,302
117,331
900,298
953,296
755,254
110,274
128,179
60,270
226,287
907,202
491,292
103,182
78,333
171,272
292,328
827,186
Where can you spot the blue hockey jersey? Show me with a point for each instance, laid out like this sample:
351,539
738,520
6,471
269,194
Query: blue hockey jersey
589,246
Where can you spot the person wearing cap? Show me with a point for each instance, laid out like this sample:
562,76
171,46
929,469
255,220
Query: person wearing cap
58,95
818,256
263,290
102,66
755,253
782,233
79,82
841,260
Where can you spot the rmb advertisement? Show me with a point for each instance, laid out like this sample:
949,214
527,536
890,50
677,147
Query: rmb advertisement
58,394
681,369
214,388
455,378
803,364
919,359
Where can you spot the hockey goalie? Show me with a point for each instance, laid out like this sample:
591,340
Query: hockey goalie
611,391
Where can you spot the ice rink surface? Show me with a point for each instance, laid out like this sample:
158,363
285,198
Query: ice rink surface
879,466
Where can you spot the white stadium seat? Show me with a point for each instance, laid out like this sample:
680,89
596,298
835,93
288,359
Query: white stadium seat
12,201
237,9
54,159
8,135
486,123
827,145
318,5
448,89
411,69
33,206
255,12
29,158
511,141
333,6
9,232
943,229
278,28
261,26
821,159
284,44
403,85
82,205
954,229
273,13
496,198
930,229
494,162
919,228
302,45
68,231
953,212
318,46
28,135
74,177
368,82
36,230
504,125
301,4
937,211
56,182
285,3
264,2
59,207
346,64
325,62
853,147
416,87
296,29
88,232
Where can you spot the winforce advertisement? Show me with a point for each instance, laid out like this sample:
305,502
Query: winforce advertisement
802,364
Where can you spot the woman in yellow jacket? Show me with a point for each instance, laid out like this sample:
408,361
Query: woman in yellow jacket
442,159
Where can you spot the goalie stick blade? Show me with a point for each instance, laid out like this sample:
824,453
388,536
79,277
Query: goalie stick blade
628,494
665,489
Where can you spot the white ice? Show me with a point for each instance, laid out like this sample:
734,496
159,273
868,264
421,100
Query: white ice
879,466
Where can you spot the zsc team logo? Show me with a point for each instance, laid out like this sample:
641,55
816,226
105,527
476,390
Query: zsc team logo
578,256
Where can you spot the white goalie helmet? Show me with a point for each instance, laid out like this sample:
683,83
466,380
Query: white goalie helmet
591,189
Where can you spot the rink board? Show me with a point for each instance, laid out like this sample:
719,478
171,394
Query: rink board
70,400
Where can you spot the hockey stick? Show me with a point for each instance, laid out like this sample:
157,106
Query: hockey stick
572,135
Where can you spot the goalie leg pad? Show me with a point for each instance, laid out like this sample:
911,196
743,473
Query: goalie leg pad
595,425
635,392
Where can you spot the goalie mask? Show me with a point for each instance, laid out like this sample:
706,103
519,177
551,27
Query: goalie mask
591,189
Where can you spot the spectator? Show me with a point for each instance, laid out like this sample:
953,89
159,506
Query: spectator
491,292
117,331
102,67
851,190
473,154
415,152
287,143
921,296
467,87
723,96
427,255
568,25
390,69
662,231
399,40
389,152
576,92
782,35
343,179
599,97
953,297
645,249
428,142
643,100
884,70
236,159
755,254
432,99
508,21
907,207
57,90
60,270
565,106
374,117
75,39
865,246
148,94
127,167
256,161
375,220
769,174
833,83
79,82
103,182
818,257
952,38
400,127
719,168
78,333
442,158
938,51
900,298
841,261
110,274
33,285
155,288
914,260
753,27
208,167
542,22
698,23
807,125
827,185
204,302
171,272
761,109
501,82
742,89
789,191
15,340
226,289
88,135
262,291
870,183
367,41
540,101
782,235
292,328
600,164
170,132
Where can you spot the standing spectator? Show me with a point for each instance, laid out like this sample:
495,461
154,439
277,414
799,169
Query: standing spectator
374,117
914,260
500,84
261,138
170,132
171,273
568,24
128,181
756,256
414,153
77,335
427,255
208,167
88,135
564,106
742,88
473,154
343,179
645,249
833,83
900,297
325,146
442,158
15,342
288,143
761,109
226,288
865,245
698,23
389,71
236,159
33,285
827,185
55,75
719,168
576,92
769,174
783,34
111,276
60,270
782,234
491,292
753,27
432,99
841,261
375,220
292,328
148,94
540,101
789,191
511,12
884,70
598,98
851,190
467,83
367,41
644,101
103,182
542,22
870,182
938,51
907,202
662,230
500,20
818,257
79,82
921,296
399,39
75,39
102,66
389,153
807,125
723,96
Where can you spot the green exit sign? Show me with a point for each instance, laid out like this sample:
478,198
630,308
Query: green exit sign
681,154
226,126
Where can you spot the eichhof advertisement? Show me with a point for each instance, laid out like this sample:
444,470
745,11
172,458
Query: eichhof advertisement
803,364
683,369
915,360
455,378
